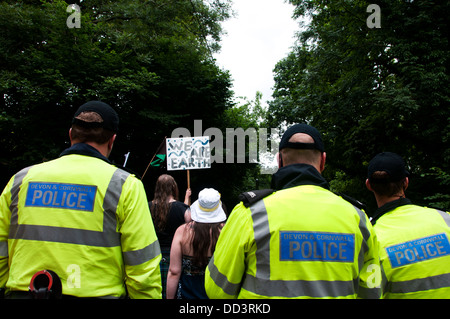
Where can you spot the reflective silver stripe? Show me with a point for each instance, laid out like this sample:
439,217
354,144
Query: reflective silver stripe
384,280
222,281
143,255
3,249
65,235
366,235
111,200
445,216
368,293
262,239
106,238
298,288
15,188
18,178
363,292
421,284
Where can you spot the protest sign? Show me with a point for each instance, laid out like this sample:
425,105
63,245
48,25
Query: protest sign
188,153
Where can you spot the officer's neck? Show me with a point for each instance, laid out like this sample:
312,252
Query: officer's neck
383,200
104,149
101,148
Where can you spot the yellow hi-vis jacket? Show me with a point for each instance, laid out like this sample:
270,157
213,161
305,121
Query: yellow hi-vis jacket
415,251
86,220
299,242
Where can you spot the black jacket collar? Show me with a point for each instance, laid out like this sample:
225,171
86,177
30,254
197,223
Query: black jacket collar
84,149
389,207
296,175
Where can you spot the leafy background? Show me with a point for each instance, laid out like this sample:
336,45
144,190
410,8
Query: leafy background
367,90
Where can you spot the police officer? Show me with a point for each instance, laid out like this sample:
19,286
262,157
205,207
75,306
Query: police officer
80,217
414,240
301,241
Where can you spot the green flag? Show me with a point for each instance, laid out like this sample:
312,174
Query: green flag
159,159
160,155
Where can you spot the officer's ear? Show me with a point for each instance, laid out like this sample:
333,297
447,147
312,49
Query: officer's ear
70,135
405,184
368,185
110,145
323,159
111,142
279,160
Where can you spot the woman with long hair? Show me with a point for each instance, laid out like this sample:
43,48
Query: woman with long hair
193,246
168,214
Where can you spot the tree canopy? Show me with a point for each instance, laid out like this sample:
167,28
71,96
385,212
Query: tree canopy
370,90
151,60
367,89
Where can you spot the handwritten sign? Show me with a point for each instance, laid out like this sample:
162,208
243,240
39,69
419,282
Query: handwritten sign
188,153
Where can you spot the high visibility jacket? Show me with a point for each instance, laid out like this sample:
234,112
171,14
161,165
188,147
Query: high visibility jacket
299,242
86,220
415,251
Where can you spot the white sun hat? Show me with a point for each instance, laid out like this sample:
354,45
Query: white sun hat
208,207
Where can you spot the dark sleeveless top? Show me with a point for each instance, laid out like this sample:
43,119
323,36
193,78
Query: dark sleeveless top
192,280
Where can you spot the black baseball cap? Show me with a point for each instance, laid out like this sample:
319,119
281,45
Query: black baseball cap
106,112
306,129
388,162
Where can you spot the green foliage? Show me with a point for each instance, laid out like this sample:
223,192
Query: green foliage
248,115
151,60
440,199
372,90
